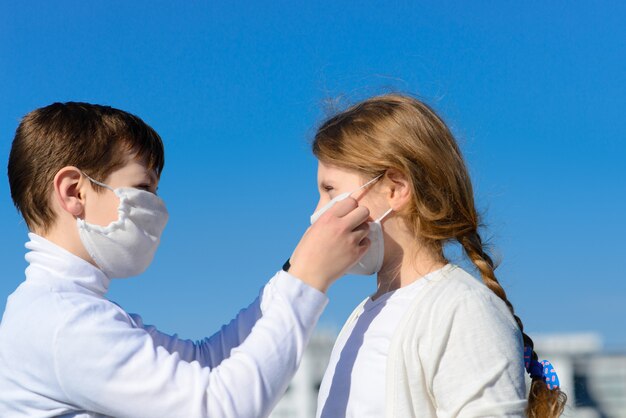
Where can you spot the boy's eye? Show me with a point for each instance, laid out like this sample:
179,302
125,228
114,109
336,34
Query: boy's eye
145,187
328,188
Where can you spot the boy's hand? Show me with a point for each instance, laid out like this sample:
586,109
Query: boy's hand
331,245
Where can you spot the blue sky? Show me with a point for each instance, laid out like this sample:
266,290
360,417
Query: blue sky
535,93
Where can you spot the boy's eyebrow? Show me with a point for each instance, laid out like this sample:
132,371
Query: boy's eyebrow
152,175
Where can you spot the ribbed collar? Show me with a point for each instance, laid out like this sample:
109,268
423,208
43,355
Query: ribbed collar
51,264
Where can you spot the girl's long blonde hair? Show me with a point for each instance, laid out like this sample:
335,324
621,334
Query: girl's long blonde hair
400,132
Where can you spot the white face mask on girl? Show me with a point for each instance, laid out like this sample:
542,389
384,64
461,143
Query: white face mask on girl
126,246
372,260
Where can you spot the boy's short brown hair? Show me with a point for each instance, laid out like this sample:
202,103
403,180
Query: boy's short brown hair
91,137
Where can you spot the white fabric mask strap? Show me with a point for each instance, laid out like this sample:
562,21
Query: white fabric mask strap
367,184
97,182
384,215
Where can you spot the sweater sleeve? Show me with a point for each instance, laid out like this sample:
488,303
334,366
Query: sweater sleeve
477,367
105,364
211,351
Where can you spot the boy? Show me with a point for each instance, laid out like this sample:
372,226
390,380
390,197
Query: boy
84,177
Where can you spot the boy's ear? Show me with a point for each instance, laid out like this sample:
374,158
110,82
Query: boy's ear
68,190
399,189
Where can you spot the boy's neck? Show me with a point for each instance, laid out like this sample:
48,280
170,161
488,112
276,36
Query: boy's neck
65,235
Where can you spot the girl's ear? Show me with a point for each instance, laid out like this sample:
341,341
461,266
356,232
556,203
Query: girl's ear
399,189
69,193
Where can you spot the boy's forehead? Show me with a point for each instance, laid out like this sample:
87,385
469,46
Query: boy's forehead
137,167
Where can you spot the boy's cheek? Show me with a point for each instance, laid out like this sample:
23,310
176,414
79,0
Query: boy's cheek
102,208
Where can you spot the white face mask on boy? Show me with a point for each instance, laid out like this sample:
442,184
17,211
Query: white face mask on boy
126,246
372,260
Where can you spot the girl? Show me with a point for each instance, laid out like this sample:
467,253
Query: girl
431,340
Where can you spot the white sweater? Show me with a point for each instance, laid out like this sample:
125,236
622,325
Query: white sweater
65,350
456,351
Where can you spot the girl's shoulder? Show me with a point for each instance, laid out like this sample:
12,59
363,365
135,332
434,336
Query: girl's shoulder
453,289
454,280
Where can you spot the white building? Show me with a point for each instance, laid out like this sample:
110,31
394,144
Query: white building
300,400
606,379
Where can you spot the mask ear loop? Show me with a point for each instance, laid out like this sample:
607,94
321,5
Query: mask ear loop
368,183
363,186
97,182
384,215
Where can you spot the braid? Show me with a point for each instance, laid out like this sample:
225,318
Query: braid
473,246
542,401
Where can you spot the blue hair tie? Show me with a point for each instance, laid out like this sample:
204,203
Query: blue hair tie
540,369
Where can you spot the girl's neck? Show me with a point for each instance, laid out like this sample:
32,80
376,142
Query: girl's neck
405,266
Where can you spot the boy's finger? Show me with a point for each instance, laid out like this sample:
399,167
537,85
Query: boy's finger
357,217
343,207
361,231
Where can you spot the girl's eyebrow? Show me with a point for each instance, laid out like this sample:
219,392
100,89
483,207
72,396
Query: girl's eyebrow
325,183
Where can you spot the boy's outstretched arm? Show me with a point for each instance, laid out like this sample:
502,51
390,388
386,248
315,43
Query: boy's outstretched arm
211,351
106,364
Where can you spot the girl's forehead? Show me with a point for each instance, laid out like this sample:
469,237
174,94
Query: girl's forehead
332,170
